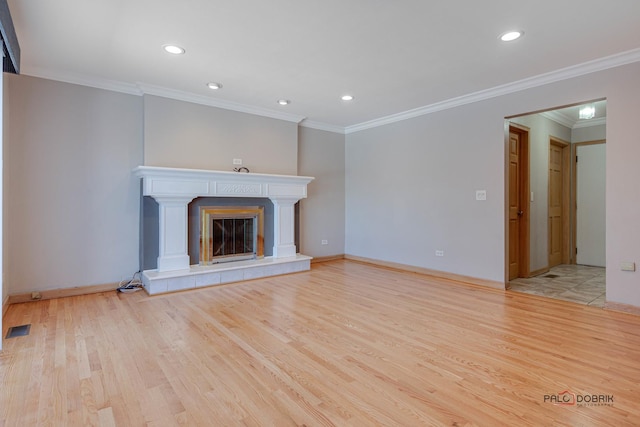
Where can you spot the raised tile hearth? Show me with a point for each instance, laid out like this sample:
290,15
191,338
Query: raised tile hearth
218,274
174,188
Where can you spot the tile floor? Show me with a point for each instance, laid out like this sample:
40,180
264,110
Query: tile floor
576,283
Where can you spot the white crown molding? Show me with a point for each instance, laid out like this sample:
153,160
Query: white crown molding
605,63
567,121
590,123
559,118
589,67
82,80
322,126
219,103
140,89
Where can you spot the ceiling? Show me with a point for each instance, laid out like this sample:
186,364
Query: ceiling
392,56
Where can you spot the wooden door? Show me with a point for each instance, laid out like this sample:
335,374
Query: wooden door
558,241
556,197
518,202
514,204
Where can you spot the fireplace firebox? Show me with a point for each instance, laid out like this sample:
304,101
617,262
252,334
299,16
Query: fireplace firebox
231,233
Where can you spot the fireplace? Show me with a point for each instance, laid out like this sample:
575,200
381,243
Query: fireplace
173,190
231,233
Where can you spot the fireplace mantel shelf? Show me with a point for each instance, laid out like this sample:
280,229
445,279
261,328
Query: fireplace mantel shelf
175,188
176,182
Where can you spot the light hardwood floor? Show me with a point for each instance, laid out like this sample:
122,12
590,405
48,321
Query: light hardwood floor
344,344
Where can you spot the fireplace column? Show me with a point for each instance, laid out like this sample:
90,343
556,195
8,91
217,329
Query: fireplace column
283,227
173,214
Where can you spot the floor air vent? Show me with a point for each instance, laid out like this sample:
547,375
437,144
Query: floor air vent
550,276
18,331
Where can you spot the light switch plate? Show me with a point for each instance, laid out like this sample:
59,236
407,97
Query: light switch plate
628,266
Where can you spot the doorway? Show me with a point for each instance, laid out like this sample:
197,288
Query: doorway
564,200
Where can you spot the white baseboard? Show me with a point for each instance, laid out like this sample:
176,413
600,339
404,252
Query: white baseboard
61,293
625,308
319,259
429,272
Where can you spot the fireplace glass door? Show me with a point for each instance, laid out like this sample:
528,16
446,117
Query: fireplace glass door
230,234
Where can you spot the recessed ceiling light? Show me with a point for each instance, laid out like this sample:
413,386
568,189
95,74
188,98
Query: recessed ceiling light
284,102
587,112
214,85
347,97
510,36
173,49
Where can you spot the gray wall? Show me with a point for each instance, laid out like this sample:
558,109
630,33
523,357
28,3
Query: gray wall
591,204
186,135
541,129
72,205
410,185
591,133
410,190
321,155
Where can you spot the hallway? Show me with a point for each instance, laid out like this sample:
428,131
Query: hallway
575,283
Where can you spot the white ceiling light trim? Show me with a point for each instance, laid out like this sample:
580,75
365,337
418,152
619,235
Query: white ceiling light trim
173,49
510,36
214,85
600,64
347,97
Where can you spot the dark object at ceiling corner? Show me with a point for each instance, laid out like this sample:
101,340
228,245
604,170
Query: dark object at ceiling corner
10,45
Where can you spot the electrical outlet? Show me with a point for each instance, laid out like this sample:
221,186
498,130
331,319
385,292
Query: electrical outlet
237,162
439,253
325,242
481,194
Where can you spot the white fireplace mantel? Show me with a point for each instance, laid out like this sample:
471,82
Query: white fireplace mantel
175,188
177,182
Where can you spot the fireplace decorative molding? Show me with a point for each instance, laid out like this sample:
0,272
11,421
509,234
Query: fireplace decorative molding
174,188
